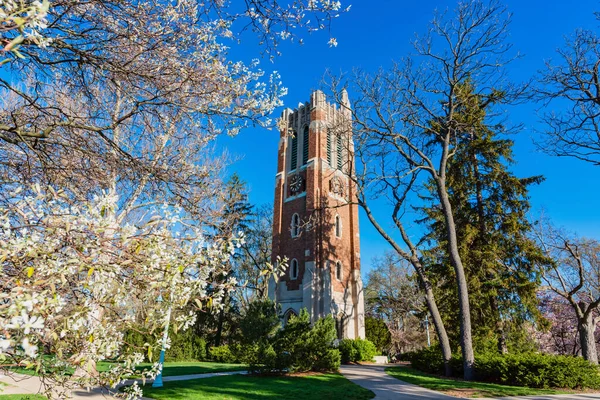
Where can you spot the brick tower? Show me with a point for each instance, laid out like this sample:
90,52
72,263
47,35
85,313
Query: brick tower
315,222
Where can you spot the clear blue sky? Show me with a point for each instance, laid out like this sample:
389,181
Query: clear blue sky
376,32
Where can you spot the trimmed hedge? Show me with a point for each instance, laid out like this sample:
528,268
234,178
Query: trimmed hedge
185,345
525,369
355,350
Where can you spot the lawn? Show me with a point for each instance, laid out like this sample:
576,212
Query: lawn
470,389
247,387
22,397
169,368
190,368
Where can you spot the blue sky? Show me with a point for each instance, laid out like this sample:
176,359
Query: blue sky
376,32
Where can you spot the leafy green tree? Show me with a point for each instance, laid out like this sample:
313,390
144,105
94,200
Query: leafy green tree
257,328
490,207
376,330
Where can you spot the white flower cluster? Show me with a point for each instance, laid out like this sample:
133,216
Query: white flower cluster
29,17
73,281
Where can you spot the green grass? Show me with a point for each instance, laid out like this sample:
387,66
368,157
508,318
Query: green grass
190,368
169,368
473,389
22,397
247,387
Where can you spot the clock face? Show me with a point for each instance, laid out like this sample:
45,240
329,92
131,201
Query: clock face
296,184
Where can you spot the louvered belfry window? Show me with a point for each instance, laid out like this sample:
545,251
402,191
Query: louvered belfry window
294,150
339,151
329,147
305,146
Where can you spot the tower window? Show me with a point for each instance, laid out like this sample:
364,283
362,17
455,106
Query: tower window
305,146
338,226
295,227
339,151
294,150
294,269
338,270
329,146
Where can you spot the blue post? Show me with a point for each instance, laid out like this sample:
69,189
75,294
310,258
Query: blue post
158,381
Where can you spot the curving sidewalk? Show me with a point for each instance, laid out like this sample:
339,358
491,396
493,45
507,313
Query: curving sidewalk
385,387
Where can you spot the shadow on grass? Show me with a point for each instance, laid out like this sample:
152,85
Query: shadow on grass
192,368
308,387
476,389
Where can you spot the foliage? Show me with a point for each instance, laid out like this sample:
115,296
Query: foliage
407,124
184,345
222,354
74,280
297,347
23,20
249,387
520,369
377,332
355,350
475,389
490,205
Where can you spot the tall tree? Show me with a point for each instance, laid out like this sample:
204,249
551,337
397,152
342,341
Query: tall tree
571,86
254,256
235,215
490,205
399,148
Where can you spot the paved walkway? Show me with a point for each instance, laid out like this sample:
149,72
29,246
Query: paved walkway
385,387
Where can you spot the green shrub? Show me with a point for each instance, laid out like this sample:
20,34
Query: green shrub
537,370
355,350
222,354
297,347
525,369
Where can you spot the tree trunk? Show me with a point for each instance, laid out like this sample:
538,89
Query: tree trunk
438,323
586,337
466,340
439,329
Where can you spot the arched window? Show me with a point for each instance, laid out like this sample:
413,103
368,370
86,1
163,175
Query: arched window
338,226
295,228
294,152
294,269
338,270
305,146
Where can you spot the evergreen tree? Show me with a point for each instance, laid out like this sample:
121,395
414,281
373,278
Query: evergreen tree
235,217
490,206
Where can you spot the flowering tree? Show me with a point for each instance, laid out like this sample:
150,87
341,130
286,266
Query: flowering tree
74,280
117,104
573,273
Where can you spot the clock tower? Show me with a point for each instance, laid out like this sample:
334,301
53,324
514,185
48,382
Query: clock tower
315,221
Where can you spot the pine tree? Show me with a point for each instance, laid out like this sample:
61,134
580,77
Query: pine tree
490,206
236,215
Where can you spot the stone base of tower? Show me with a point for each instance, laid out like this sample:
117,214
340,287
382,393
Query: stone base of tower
318,297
